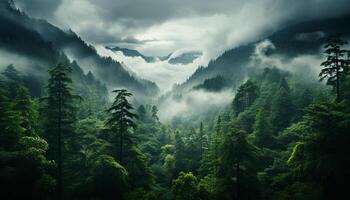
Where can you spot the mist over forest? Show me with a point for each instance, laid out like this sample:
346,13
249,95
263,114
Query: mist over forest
174,100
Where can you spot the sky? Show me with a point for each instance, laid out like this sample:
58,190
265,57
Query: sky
159,27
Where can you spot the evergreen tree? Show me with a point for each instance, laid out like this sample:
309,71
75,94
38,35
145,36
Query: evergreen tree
262,129
203,140
10,126
120,121
237,170
246,95
321,160
13,79
142,113
24,105
179,153
335,66
281,108
59,116
185,187
155,113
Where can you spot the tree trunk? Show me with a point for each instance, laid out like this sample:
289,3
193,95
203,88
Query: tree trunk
59,181
237,182
337,77
121,129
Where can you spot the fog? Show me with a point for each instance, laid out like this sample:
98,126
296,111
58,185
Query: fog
307,65
22,63
161,72
194,105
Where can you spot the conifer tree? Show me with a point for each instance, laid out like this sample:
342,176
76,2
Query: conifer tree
121,120
335,65
59,116
24,105
14,80
9,121
179,153
246,95
155,114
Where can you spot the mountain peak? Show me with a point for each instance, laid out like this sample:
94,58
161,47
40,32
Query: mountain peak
131,53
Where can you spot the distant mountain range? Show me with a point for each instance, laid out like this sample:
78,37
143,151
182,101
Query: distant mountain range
132,53
44,44
172,58
304,38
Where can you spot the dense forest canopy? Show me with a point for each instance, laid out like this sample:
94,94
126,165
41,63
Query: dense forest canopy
72,131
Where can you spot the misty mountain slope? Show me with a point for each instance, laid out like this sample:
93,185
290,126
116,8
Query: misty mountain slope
230,65
184,57
299,39
296,49
132,53
32,37
175,58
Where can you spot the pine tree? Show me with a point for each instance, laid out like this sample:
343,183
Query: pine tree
179,153
24,105
202,140
281,108
262,129
13,79
59,115
10,127
155,113
142,113
120,121
236,167
246,95
335,66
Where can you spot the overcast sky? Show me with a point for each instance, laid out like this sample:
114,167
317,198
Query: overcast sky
158,27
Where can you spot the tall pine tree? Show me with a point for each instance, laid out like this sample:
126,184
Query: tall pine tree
120,121
59,116
336,64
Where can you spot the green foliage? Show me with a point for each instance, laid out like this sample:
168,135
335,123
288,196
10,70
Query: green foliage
185,187
237,173
180,153
262,135
215,84
108,178
14,80
245,97
60,116
10,126
281,139
336,65
26,109
25,171
281,108
120,121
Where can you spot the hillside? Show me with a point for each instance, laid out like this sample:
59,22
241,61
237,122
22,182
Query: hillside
299,39
46,43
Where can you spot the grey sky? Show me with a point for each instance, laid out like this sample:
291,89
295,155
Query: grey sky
163,26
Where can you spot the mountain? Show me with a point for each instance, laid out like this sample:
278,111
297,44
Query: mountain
172,58
132,53
44,44
215,84
299,39
184,58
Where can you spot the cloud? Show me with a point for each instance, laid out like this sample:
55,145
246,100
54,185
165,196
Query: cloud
307,66
39,8
161,72
190,106
24,64
309,37
212,26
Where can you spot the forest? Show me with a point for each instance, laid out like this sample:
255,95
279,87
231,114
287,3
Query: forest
282,137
